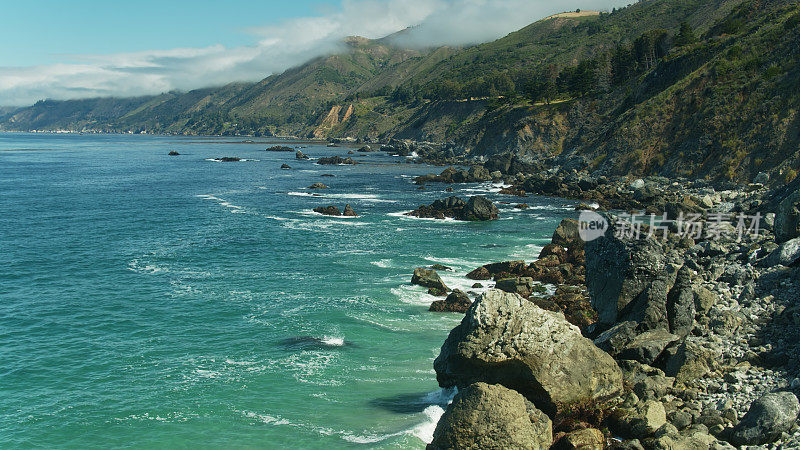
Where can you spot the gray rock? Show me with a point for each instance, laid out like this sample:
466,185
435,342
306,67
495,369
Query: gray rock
457,301
637,184
567,235
692,360
584,439
641,421
348,211
761,178
491,416
506,339
787,217
428,278
629,280
680,304
787,254
617,337
704,299
767,418
478,209
647,346
519,285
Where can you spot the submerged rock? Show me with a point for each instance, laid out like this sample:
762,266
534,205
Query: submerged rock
173,153
285,166
228,159
336,160
279,148
318,186
508,340
486,416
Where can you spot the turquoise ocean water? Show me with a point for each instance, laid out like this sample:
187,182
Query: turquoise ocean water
172,302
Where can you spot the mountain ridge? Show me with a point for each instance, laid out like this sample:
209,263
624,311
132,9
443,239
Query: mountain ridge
616,92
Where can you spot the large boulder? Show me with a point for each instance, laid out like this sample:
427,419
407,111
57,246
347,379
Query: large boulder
518,285
457,301
428,278
508,340
567,234
583,439
787,217
787,254
630,280
477,209
491,416
693,359
767,418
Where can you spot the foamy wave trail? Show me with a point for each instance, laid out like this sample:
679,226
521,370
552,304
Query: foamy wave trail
403,215
383,263
234,208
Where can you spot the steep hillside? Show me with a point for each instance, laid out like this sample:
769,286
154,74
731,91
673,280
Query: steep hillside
674,87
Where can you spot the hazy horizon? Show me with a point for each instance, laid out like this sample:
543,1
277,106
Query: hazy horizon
65,62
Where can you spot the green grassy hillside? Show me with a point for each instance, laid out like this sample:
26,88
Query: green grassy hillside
676,87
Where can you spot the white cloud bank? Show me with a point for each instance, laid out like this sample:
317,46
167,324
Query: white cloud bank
277,47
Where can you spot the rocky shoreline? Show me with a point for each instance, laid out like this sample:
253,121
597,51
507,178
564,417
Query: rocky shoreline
660,334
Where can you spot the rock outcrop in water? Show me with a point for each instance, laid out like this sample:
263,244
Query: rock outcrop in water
475,174
331,210
430,279
279,148
457,301
336,160
477,208
508,340
484,416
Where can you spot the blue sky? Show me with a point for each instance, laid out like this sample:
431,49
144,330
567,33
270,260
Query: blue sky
69,49
43,31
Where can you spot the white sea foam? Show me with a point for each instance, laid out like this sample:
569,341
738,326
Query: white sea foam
424,431
413,295
332,341
402,215
383,263
221,202
305,194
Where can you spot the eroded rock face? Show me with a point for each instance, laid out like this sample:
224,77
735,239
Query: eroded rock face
492,416
637,280
787,218
508,340
767,418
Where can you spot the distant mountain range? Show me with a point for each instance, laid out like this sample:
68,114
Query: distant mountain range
695,88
